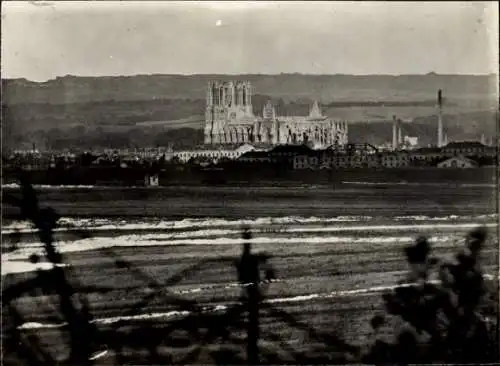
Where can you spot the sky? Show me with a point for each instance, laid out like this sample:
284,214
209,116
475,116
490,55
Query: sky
43,40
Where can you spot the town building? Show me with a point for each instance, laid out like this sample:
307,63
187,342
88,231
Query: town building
211,154
426,156
230,119
255,157
458,162
348,156
306,161
351,156
400,159
468,148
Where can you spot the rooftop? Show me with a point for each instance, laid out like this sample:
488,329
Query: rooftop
291,148
227,147
464,144
428,150
254,154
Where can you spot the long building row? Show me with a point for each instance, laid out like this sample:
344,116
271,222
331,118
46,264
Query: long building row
462,154
350,155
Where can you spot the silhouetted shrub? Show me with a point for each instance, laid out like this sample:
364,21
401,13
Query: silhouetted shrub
449,311
448,320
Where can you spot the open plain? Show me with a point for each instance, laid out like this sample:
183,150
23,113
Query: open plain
334,250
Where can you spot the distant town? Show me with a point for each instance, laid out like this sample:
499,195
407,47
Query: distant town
466,154
233,134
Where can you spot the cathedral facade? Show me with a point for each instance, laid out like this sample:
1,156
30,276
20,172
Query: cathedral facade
229,119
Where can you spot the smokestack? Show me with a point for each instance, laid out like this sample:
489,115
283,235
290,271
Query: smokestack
440,119
400,132
394,133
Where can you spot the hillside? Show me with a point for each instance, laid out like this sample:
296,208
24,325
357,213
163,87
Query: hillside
188,135
325,88
140,110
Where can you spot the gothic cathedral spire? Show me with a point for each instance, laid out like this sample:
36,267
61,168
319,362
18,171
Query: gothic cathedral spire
315,111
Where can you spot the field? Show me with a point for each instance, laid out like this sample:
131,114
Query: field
334,251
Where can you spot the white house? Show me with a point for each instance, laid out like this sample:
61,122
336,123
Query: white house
213,154
458,162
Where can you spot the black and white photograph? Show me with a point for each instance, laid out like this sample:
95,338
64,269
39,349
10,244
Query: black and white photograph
250,182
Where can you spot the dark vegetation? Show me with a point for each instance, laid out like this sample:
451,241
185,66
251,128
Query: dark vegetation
113,124
454,320
79,138
451,319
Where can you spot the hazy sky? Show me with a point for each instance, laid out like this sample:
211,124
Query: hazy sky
44,40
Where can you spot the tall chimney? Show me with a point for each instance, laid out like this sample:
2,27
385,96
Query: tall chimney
400,132
394,133
440,119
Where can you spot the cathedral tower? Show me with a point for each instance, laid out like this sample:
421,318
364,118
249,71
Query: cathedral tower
228,112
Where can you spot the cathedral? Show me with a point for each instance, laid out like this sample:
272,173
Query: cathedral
229,119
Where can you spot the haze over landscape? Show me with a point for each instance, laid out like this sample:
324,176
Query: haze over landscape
143,68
